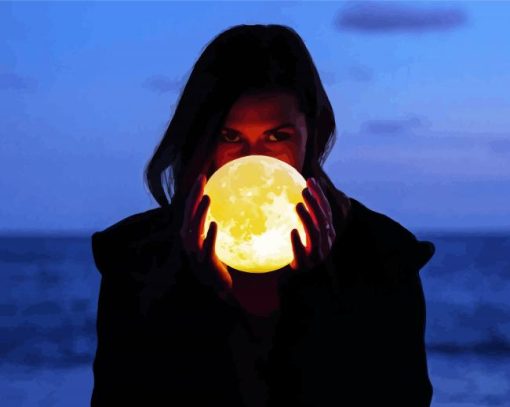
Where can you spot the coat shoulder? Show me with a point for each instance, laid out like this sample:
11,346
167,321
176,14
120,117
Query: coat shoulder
394,244
125,241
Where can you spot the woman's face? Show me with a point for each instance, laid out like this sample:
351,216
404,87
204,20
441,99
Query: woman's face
268,123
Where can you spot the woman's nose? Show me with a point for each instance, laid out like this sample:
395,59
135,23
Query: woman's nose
255,149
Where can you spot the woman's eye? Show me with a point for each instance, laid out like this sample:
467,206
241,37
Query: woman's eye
274,137
230,138
278,136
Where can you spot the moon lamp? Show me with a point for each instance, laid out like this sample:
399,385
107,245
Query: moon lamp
253,200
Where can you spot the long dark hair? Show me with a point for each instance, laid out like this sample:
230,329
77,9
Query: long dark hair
240,60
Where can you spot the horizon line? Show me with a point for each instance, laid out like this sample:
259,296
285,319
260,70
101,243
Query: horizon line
415,230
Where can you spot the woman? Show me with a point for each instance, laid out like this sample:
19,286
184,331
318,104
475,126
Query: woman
343,324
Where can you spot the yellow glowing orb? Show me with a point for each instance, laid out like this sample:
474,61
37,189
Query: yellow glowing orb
253,202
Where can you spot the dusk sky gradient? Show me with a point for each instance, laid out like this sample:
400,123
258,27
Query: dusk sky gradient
420,93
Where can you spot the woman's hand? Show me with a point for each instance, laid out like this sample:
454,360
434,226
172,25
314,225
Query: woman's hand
318,225
205,264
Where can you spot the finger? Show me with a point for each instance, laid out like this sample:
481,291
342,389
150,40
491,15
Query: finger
201,186
220,278
298,250
197,224
202,215
321,197
191,205
318,213
324,223
312,232
208,247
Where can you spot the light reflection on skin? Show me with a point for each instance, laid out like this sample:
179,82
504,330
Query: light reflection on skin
254,126
271,124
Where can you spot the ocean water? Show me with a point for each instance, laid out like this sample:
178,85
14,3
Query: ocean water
48,300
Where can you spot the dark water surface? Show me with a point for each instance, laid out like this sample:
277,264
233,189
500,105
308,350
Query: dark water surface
48,299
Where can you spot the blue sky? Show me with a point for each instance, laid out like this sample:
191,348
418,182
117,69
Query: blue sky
420,93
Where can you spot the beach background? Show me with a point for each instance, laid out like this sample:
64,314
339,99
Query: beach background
421,102
49,287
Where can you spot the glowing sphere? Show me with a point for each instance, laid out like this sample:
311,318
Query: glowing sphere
253,202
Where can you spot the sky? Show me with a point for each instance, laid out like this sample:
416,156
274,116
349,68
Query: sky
420,92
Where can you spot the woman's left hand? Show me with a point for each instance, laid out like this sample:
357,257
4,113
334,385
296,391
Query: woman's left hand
318,225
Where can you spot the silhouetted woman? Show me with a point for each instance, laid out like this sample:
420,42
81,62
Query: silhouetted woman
343,324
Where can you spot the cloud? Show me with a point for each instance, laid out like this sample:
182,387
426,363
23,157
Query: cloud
392,127
12,81
163,84
371,17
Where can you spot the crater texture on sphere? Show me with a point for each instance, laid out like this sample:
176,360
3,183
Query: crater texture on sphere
253,201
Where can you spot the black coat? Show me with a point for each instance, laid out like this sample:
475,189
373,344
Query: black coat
350,335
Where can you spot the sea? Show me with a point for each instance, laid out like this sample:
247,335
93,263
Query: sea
48,302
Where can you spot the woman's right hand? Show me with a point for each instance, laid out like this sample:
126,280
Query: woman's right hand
205,264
